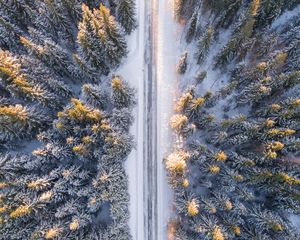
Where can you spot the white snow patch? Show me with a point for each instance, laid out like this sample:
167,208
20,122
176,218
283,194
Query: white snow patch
295,219
133,71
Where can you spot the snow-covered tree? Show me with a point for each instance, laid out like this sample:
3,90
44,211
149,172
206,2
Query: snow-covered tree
100,39
122,94
125,14
204,44
239,126
182,65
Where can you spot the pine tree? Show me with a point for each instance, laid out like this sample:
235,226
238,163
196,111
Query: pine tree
76,176
95,96
241,37
192,26
74,184
101,41
54,56
122,94
17,83
204,44
18,122
125,14
115,44
73,8
229,13
18,11
269,11
52,20
9,35
252,156
91,41
182,65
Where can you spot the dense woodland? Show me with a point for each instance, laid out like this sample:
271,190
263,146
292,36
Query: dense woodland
235,169
64,119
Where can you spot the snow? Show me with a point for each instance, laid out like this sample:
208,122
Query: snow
295,219
168,51
285,17
133,71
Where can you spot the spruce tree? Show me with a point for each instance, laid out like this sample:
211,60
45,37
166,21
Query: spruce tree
182,65
91,41
192,26
9,35
18,83
115,44
73,178
101,41
125,14
204,44
18,122
122,94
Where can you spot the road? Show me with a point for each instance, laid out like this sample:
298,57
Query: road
150,68
162,83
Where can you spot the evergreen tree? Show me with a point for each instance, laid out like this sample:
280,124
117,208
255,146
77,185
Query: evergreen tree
122,94
125,12
229,13
115,44
204,44
19,122
242,135
192,26
52,19
19,12
236,46
17,83
54,56
101,42
182,65
8,35
74,179
91,41
73,184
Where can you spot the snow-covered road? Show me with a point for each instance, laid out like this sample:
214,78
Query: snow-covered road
150,67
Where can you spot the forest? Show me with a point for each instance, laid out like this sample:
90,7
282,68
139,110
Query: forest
83,92
64,119
235,168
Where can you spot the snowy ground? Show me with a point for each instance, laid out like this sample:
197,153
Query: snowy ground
133,71
168,51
